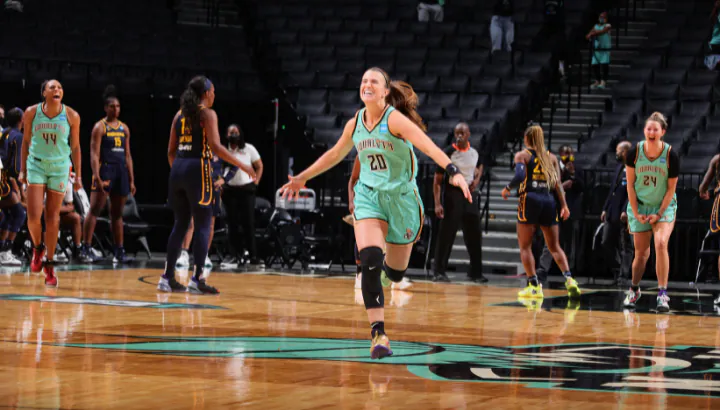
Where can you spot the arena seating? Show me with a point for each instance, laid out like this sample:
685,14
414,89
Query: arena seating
668,76
134,44
322,48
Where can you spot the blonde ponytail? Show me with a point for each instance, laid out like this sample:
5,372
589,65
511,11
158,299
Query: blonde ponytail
536,139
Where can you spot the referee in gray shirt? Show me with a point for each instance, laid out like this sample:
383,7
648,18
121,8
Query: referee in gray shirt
454,211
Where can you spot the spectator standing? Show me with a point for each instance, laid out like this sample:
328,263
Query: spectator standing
502,27
555,28
454,211
601,45
425,8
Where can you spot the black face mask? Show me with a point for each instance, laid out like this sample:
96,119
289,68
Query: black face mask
619,158
237,139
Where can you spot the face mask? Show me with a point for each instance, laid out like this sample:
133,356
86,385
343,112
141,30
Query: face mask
602,20
619,158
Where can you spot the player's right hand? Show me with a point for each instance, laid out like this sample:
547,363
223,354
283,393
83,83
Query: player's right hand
459,181
292,187
565,213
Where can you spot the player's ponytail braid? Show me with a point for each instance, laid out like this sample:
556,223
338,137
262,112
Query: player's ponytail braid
536,138
192,96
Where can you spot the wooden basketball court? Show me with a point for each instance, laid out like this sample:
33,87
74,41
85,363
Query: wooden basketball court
107,340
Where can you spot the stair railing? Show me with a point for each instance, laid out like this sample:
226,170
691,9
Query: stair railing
485,210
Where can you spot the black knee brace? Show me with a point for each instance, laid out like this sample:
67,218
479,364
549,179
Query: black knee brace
394,275
371,260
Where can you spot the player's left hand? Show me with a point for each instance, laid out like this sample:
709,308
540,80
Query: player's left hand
565,213
132,189
458,180
294,185
652,219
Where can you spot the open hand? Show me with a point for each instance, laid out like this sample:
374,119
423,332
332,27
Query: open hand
293,186
459,181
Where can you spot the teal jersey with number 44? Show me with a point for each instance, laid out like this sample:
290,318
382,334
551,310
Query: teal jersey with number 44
387,162
50,136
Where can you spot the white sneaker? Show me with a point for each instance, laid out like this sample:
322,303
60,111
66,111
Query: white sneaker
358,281
717,301
663,303
183,262
208,263
8,259
403,284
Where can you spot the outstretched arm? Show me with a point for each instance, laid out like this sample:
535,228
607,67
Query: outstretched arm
399,125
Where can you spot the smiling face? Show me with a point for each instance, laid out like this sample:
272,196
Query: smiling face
373,87
53,91
653,130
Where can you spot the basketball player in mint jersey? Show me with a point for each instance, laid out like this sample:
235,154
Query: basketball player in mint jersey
652,173
112,167
713,172
388,211
194,137
51,137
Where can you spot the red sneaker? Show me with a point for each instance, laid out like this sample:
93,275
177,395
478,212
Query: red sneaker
37,259
51,280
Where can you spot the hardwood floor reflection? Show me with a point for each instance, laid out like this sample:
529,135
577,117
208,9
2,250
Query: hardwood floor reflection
107,340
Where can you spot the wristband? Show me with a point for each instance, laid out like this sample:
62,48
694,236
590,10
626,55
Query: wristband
452,170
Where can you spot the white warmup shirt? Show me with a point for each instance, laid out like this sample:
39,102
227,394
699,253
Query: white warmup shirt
247,156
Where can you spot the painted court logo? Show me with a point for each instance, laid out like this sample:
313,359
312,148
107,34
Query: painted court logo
604,367
106,302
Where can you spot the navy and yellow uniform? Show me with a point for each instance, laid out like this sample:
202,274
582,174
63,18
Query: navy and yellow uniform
191,175
113,165
536,205
217,167
715,215
14,150
5,189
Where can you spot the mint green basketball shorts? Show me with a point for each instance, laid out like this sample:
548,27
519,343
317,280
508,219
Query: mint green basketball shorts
637,227
52,173
403,211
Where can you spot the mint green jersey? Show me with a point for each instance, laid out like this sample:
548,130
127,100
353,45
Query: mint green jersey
387,163
50,136
651,177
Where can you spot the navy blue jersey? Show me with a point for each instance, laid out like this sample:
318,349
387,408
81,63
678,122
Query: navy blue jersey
192,138
535,180
112,147
14,149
